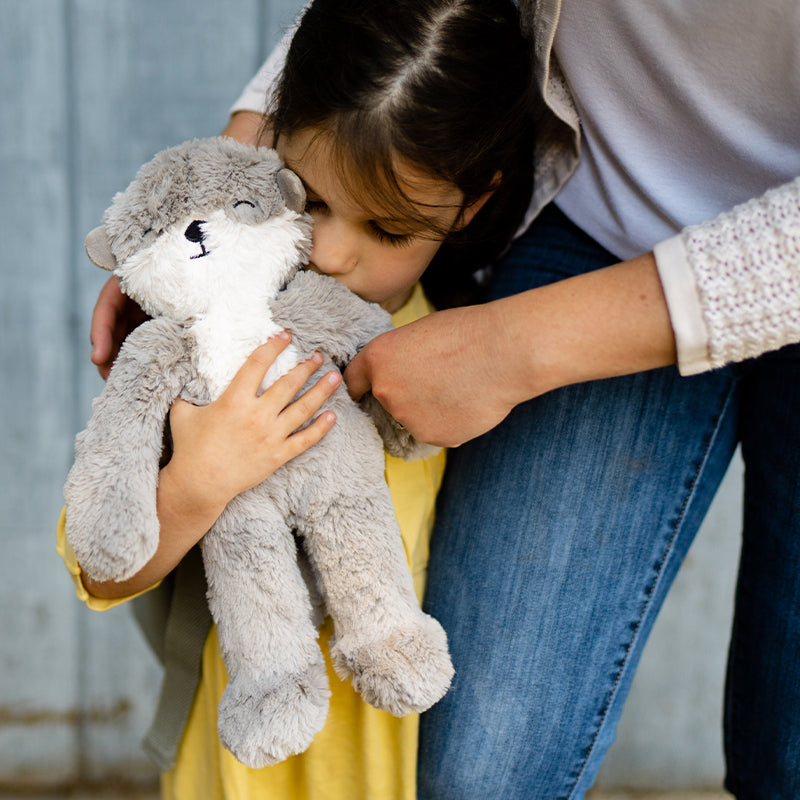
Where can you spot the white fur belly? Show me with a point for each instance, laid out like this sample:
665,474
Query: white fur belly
220,356
287,359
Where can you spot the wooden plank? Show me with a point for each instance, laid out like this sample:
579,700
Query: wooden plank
39,658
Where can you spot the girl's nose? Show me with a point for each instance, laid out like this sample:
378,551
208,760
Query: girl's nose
334,248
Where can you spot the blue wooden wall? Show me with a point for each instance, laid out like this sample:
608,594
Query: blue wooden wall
90,89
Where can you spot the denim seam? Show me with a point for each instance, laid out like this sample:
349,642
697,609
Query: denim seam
659,572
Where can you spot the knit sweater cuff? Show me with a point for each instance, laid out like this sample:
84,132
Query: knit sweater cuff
746,265
684,306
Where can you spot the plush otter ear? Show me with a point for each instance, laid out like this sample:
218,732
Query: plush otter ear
294,194
98,248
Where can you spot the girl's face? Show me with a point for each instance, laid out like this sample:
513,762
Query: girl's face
369,250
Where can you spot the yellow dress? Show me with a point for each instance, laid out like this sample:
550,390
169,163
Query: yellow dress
361,753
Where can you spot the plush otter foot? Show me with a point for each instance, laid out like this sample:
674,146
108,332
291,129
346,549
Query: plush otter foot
264,727
407,671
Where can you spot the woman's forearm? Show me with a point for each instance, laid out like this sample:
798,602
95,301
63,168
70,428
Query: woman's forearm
453,375
613,321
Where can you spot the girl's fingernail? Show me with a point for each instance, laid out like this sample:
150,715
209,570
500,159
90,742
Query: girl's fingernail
333,378
284,335
317,358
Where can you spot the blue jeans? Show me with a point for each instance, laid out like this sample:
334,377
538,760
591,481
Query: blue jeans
558,536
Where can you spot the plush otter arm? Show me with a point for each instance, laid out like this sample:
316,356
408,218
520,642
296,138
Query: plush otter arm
322,314
110,492
396,439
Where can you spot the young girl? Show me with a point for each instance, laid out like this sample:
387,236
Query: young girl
410,157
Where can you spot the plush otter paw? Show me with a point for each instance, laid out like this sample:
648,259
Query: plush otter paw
262,727
406,671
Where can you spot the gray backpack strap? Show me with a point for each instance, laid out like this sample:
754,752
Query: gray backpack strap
185,627
151,611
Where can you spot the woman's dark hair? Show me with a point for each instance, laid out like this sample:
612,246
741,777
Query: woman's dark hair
444,84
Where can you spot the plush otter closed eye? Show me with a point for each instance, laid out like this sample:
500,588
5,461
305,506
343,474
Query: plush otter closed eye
210,239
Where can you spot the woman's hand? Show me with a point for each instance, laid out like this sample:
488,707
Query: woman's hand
115,315
442,376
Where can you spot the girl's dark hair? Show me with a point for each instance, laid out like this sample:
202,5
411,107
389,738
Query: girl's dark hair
444,84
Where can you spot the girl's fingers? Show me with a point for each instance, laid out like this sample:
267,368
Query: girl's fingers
252,372
301,440
286,387
310,402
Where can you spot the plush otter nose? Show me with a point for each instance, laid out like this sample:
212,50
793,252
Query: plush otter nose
194,233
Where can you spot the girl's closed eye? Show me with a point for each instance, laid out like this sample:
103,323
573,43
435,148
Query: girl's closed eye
316,207
396,239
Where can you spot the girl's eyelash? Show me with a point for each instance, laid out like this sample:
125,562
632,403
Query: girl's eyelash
396,239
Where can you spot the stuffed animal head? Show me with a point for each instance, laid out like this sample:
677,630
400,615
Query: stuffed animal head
202,223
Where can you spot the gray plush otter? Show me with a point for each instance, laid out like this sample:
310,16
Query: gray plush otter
210,239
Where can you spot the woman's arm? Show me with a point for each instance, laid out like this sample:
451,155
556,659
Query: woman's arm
248,127
455,374
223,449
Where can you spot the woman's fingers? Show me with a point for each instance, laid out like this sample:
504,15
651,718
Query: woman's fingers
115,315
108,307
105,335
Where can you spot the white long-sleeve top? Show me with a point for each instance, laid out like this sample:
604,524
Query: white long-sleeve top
732,284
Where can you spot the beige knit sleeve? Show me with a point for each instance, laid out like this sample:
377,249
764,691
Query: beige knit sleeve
745,266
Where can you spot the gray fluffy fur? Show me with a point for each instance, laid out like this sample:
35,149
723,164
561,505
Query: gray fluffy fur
333,496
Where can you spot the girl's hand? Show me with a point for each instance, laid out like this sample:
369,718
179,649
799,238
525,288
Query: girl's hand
224,448
231,445
115,315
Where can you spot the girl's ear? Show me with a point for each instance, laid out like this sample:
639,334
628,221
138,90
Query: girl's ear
475,206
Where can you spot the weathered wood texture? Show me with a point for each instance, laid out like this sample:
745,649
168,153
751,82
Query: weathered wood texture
90,90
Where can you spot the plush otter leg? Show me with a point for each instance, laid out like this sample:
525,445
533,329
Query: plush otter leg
396,655
277,697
